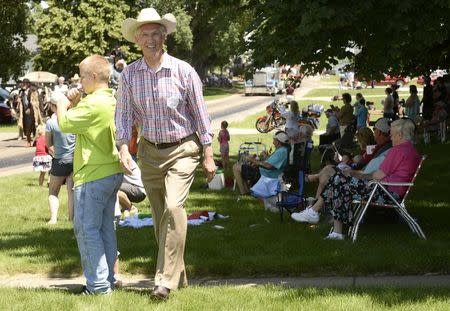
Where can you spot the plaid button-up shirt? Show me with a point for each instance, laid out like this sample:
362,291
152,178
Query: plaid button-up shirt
167,104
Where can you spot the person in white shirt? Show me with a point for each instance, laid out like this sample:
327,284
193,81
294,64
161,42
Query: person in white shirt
60,86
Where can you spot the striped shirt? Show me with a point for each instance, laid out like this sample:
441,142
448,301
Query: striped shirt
167,104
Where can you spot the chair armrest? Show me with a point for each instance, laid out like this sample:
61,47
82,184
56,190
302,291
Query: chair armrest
387,183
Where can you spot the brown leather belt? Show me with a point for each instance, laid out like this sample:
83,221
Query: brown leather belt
172,144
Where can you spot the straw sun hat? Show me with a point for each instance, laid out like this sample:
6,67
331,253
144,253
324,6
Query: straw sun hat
147,16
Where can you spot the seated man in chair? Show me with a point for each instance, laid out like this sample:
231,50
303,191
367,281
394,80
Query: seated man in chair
269,169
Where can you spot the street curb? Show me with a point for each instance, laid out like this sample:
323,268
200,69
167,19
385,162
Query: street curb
143,282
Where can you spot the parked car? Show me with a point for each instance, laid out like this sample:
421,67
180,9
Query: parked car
387,80
397,80
6,116
434,75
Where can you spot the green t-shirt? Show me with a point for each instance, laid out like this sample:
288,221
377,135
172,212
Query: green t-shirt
278,160
92,120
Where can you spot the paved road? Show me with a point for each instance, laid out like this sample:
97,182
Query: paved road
236,107
16,158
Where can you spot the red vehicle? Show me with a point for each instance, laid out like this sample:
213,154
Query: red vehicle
434,75
387,80
397,80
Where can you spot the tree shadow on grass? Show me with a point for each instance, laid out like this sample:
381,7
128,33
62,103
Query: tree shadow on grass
55,248
379,296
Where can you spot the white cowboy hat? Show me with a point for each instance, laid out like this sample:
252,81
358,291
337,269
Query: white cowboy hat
147,16
75,77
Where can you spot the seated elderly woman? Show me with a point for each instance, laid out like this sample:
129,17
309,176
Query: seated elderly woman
399,165
369,161
269,169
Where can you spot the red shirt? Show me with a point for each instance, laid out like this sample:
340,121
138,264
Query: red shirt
41,149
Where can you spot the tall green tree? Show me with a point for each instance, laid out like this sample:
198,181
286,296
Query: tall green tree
13,29
70,30
402,37
218,28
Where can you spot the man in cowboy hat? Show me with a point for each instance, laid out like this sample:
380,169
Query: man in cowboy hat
163,96
75,82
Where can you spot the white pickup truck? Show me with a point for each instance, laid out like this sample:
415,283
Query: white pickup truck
265,81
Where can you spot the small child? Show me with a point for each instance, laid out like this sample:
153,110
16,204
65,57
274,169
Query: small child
224,138
42,161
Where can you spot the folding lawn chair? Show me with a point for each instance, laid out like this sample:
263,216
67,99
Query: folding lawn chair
290,200
440,129
399,207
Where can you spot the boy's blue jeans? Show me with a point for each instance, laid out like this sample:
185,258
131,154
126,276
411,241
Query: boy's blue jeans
94,229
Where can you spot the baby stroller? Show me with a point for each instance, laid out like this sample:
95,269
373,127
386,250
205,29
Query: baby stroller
253,149
345,144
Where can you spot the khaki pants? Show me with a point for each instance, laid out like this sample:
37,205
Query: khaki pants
167,175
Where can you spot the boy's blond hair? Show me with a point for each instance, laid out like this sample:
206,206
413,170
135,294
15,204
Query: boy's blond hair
99,65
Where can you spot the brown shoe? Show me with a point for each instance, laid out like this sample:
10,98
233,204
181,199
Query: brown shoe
160,292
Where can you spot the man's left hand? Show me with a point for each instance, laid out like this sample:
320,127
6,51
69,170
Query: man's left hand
209,168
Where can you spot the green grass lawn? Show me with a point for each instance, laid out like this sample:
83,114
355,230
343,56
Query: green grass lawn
211,93
234,298
8,128
253,243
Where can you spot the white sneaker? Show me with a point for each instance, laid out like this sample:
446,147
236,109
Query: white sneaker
308,215
335,236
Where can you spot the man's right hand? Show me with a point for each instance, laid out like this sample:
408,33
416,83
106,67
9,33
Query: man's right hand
125,159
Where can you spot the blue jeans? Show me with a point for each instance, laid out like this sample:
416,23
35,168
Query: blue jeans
94,229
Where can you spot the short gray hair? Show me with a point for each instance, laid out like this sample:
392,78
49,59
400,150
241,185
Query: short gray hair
405,127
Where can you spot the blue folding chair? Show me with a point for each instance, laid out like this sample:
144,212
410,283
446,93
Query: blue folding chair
290,201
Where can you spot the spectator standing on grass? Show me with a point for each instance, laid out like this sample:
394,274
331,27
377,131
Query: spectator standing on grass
75,82
171,112
96,172
412,104
388,104
117,70
427,99
42,161
361,111
29,114
396,98
63,146
224,138
292,127
61,86
345,114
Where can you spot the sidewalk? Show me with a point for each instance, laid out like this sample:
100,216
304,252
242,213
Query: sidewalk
143,282
15,158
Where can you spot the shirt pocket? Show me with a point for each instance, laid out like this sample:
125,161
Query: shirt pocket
172,94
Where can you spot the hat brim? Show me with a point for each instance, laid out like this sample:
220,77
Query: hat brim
130,25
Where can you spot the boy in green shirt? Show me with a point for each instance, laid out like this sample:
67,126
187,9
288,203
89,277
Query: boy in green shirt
96,172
